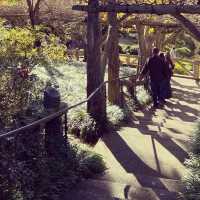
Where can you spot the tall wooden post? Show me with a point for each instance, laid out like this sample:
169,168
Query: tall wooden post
96,107
113,59
196,71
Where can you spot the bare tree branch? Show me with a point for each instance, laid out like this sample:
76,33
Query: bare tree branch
188,25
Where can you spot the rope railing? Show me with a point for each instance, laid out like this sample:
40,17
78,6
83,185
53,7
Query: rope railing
61,111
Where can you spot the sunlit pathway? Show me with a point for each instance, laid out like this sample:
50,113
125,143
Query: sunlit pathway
145,158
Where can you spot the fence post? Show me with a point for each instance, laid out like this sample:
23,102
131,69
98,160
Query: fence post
55,142
196,71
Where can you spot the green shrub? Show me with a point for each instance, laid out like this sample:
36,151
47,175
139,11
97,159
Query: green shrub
127,71
186,41
196,140
183,52
131,50
192,179
179,69
16,93
90,164
43,177
18,52
83,126
142,96
115,114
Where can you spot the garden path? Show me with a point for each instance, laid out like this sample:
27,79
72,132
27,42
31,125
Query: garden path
145,158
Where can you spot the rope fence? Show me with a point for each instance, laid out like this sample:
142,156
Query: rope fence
63,110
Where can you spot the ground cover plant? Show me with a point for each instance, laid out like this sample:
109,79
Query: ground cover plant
41,176
192,179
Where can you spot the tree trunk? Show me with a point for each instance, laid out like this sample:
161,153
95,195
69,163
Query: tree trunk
188,26
33,10
142,44
113,60
159,38
96,107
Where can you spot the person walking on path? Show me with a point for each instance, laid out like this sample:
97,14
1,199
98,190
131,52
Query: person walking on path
173,54
155,66
169,68
166,87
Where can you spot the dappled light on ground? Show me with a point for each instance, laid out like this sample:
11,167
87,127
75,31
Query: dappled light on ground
155,144
145,158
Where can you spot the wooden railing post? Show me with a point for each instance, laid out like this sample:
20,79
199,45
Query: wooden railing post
196,71
96,106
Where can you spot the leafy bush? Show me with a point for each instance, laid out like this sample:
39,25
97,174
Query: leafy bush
186,44
83,126
39,176
182,67
18,55
179,69
183,52
90,164
18,45
142,96
131,50
115,114
196,140
192,178
127,71
16,93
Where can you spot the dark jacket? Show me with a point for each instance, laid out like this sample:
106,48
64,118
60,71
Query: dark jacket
156,68
169,68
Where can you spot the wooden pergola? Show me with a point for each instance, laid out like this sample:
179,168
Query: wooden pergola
97,105
160,9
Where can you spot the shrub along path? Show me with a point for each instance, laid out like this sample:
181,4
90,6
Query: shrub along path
145,158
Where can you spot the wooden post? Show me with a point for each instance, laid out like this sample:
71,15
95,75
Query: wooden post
113,59
196,71
54,139
96,107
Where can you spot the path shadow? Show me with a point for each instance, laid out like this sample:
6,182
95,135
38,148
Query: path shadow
183,112
133,164
126,157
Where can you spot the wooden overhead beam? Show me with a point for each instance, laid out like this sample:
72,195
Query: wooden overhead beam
151,23
189,26
161,9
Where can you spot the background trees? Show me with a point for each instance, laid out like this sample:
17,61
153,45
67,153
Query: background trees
152,30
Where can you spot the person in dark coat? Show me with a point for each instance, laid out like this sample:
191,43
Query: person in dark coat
155,66
162,56
169,68
165,88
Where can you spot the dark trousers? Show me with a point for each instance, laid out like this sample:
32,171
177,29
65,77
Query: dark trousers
157,91
167,89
